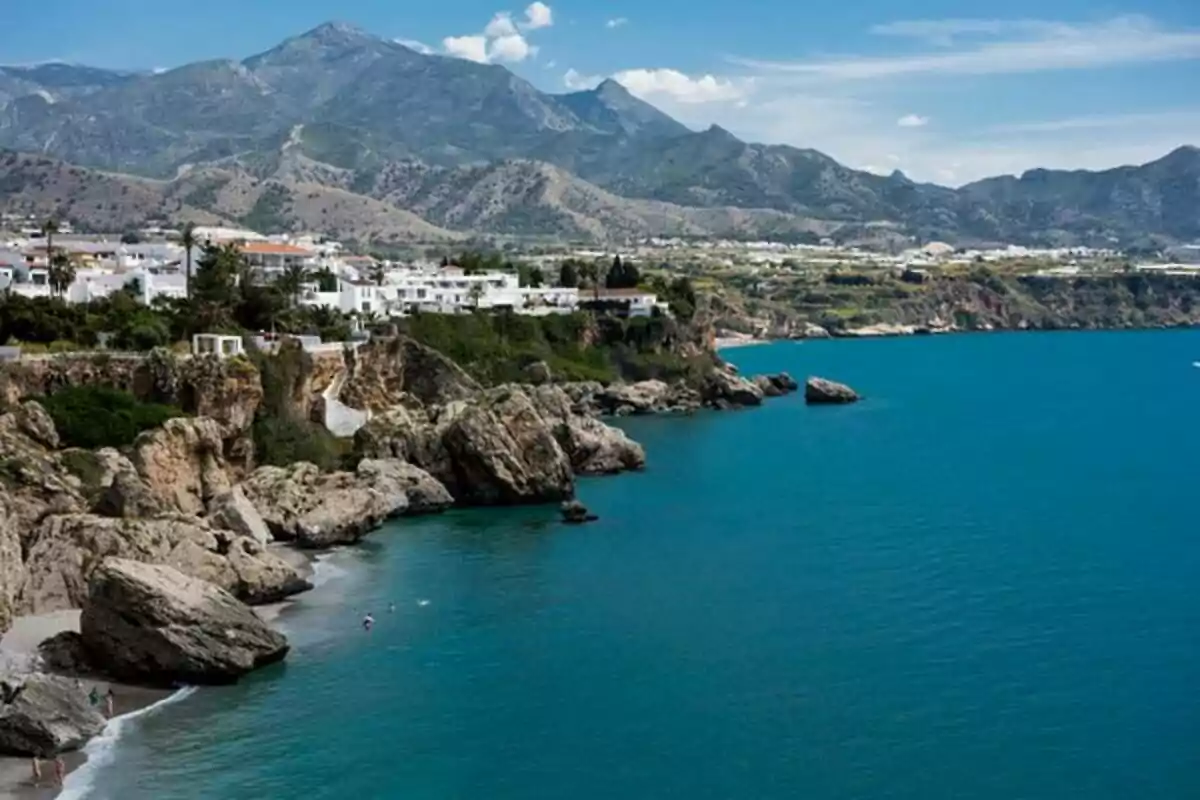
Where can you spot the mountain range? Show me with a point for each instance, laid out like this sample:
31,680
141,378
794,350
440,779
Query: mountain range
343,132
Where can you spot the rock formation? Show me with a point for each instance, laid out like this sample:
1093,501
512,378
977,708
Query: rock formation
384,370
723,388
822,391
183,462
576,513
234,511
49,715
315,510
155,625
64,550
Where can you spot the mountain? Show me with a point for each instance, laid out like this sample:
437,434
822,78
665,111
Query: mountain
346,111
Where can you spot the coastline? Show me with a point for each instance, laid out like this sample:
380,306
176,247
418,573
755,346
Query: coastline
18,646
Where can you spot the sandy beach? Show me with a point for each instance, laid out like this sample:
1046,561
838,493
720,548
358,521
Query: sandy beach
728,342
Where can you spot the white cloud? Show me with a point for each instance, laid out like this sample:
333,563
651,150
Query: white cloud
912,121
1034,46
577,82
502,38
617,22
501,25
510,48
675,85
413,44
538,15
472,48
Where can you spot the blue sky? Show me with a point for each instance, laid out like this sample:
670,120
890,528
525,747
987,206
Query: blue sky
946,91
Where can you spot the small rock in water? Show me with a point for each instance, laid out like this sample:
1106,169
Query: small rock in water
575,513
820,390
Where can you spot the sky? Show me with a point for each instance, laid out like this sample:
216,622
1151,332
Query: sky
943,90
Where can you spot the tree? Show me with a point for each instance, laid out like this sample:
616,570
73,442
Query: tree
61,273
291,282
622,275
568,274
49,228
217,275
536,279
131,237
188,240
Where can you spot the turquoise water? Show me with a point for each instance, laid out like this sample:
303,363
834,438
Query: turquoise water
980,583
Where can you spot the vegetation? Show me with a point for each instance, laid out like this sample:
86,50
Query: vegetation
94,416
281,435
497,348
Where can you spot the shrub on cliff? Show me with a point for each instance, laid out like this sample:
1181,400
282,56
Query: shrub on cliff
94,416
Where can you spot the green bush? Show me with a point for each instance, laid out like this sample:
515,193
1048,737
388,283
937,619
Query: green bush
280,441
93,416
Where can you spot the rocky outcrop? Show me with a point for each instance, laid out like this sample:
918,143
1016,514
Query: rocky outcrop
576,513
64,654
234,511
592,447
34,480
776,385
723,388
12,566
50,715
822,391
183,462
316,510
644,397
125,494
495,449
384,370
155,625
65,550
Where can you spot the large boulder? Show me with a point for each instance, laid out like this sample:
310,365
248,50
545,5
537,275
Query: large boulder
64,551
425,494
49,715
155,625
822,391
317,510
127,495
776,385
35,422
183,462
592,447
724,388
35,479
234,511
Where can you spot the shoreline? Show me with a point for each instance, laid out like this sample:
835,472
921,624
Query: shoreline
18,649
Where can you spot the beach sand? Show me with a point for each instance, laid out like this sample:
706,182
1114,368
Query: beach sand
728,342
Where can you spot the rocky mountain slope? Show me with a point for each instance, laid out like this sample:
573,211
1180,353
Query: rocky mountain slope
360,108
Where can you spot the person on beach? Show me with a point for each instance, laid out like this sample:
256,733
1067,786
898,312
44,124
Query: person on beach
60,770
94,696
37,771
109,700
368,621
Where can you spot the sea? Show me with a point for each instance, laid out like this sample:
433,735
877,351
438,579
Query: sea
980,583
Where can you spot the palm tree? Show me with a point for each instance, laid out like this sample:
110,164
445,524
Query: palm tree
378,274
61,273
292,281
188,240
49,228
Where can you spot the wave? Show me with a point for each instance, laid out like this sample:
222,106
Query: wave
324,570
100,750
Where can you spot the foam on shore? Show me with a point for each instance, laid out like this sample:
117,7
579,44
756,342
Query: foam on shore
101,749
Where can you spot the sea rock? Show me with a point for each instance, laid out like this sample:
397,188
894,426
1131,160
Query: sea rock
234,511
576,513
64,551
155,625
393,477
299,503
183,462
643,397
813,331
820,390
494,449
723,388
776,385
50,715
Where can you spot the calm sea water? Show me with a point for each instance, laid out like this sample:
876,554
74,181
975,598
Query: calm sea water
981,583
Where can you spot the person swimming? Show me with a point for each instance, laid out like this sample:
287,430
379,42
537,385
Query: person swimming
368,621
391,608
